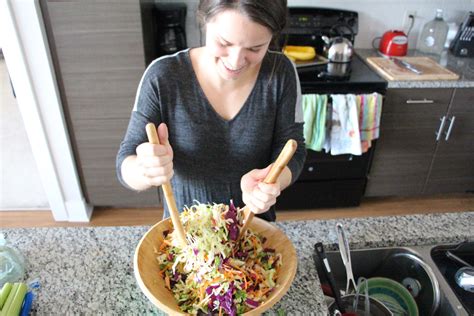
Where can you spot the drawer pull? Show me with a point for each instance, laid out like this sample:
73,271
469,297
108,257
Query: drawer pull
424,101
441,126
450,128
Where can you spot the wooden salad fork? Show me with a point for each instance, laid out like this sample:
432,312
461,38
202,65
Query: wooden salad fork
168,191
280,163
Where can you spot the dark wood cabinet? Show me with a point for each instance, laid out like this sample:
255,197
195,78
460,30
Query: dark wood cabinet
426,143
97,50
404,151
453,164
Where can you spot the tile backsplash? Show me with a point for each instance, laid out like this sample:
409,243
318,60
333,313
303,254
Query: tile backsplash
375,16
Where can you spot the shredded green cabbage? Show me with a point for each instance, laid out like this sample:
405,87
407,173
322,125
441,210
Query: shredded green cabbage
216,272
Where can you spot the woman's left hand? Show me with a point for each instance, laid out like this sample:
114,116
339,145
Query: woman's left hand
256,194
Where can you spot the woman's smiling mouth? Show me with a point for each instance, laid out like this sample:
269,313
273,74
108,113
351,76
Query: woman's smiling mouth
231,69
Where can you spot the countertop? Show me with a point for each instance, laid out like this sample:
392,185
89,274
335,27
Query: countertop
89,270
464,67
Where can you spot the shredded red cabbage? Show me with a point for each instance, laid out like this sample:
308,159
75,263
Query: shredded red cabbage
232,227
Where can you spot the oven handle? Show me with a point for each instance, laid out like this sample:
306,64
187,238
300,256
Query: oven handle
331,159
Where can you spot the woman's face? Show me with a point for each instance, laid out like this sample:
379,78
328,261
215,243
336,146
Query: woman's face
235,43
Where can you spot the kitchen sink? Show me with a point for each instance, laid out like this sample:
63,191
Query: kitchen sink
411,266
447,268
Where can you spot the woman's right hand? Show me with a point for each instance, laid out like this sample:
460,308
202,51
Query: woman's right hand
155,161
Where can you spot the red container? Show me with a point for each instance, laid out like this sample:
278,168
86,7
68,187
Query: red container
394,43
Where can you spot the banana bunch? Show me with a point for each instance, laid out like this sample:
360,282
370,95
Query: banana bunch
297,53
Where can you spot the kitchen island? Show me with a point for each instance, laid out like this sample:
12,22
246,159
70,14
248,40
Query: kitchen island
89,270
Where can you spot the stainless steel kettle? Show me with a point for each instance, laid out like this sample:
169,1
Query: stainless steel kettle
338,49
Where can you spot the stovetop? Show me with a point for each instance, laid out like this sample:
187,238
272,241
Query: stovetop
360,79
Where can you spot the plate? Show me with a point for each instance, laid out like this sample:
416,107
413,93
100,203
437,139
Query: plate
394,295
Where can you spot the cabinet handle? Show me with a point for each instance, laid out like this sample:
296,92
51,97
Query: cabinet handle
424,101
440,129
450,128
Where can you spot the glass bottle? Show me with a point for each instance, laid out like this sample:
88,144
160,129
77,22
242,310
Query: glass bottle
433,35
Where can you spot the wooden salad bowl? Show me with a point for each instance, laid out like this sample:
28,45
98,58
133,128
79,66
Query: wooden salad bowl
146,267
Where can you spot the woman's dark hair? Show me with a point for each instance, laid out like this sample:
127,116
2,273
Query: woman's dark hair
269,13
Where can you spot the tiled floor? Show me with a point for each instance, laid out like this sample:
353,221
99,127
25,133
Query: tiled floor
20,184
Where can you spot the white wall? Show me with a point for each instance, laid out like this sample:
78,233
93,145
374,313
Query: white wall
20,184
375,16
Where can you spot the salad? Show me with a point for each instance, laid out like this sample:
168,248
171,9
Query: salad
216,272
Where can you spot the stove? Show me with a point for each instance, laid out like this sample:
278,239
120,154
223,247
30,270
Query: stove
359,79
306,27
328,180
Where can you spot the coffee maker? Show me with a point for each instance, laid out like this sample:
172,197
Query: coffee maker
164,28
171,24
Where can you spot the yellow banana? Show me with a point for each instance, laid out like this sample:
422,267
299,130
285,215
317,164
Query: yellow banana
299,52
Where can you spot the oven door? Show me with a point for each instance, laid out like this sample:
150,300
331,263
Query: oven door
322,166
328,181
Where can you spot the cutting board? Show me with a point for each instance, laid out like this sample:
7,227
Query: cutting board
431,69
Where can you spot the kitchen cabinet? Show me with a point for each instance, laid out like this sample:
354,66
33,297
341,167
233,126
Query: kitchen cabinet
97,51
425,143
453,164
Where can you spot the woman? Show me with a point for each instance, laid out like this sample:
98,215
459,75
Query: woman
224,112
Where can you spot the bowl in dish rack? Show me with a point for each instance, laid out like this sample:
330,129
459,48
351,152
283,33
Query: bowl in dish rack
146,266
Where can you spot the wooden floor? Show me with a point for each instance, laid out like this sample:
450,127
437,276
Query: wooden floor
369,207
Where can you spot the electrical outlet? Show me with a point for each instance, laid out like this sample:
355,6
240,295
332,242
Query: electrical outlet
407,20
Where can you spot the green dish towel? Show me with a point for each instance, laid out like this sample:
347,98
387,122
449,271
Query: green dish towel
314,113
309,108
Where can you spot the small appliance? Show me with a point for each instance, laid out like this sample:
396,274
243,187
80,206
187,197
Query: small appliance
463,43
339,51
164,28
171,23
394,43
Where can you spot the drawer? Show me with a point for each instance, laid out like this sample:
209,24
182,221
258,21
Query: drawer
433,101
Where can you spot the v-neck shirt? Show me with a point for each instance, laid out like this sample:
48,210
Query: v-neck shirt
206,99
211,154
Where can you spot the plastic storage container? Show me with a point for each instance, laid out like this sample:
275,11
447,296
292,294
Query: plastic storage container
433,35
12,263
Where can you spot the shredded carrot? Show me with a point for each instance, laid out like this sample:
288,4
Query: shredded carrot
265,291
248,273
202,291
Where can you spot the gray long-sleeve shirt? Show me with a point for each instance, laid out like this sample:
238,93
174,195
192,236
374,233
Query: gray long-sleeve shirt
211,154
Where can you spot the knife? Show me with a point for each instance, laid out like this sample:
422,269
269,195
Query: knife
405,65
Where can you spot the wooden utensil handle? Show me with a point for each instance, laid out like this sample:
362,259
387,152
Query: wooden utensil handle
277,168
280,163
167,190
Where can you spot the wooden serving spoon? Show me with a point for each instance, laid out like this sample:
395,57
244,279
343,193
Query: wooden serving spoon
275,171
168,191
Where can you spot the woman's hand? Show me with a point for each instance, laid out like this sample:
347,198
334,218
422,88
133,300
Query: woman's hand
155,162
256,194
